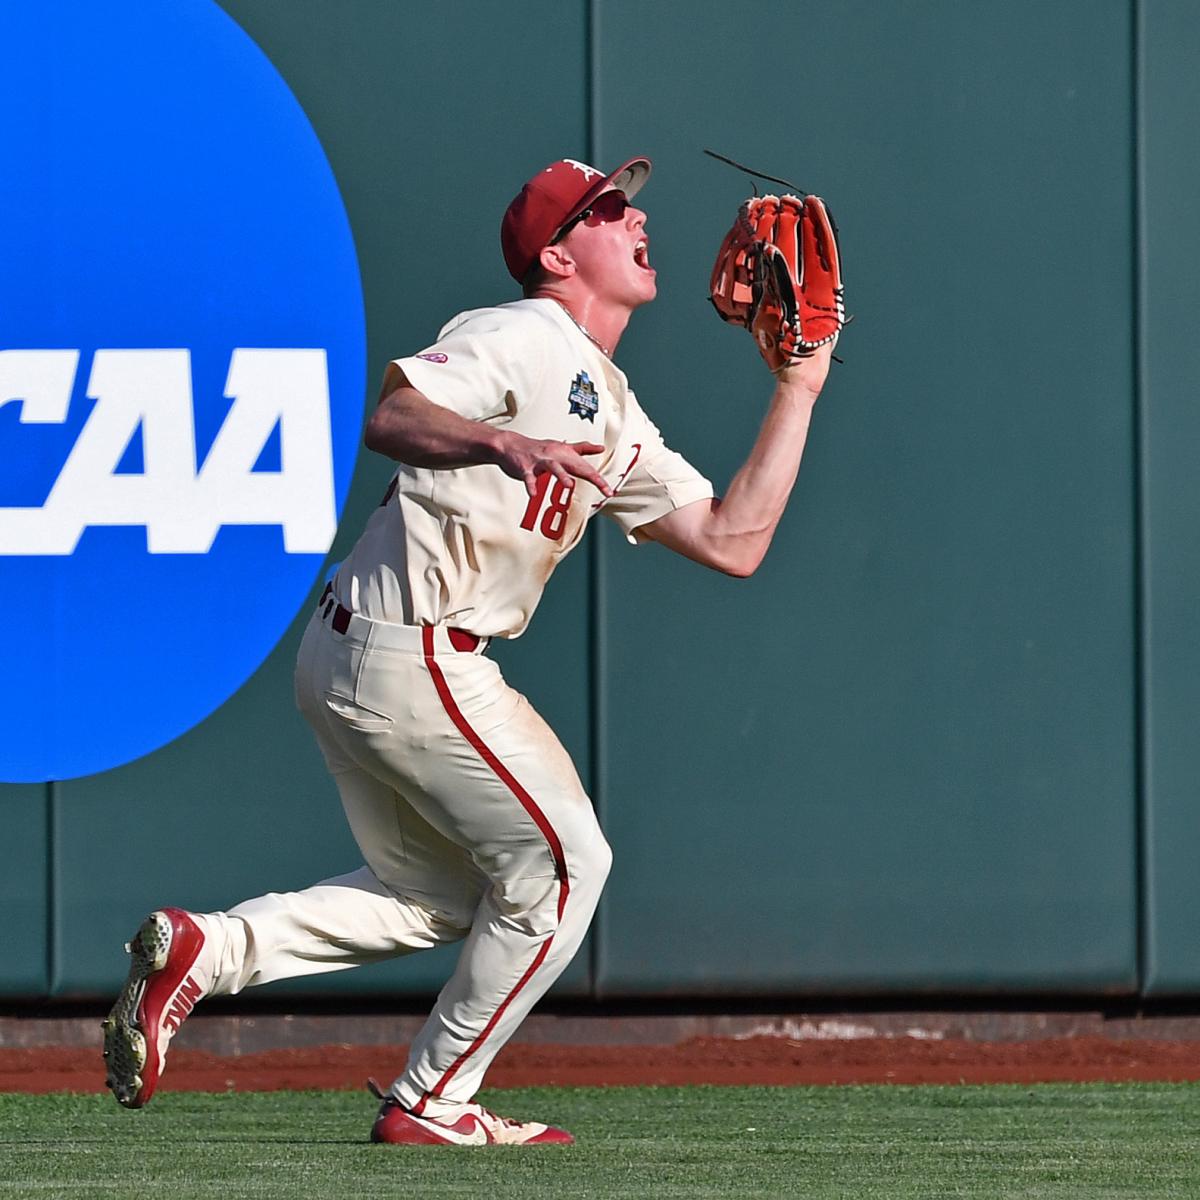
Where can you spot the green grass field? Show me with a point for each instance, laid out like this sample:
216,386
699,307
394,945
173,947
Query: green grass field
1093,1141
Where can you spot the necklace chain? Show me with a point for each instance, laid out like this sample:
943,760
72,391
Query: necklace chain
587,333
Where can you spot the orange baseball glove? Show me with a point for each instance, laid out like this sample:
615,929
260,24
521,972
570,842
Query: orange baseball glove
778,273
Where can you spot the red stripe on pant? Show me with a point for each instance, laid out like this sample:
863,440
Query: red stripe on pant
539,818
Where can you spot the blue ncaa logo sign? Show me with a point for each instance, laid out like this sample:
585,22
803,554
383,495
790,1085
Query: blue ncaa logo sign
181,374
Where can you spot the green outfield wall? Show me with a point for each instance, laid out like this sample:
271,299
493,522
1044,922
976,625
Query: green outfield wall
943,742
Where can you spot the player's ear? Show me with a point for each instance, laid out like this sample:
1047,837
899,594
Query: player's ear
557,261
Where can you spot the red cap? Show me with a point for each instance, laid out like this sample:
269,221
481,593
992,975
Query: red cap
551,198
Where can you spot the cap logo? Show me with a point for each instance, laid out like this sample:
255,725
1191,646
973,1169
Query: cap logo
435,358
589,173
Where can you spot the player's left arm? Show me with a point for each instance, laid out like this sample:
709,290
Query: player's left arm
732,534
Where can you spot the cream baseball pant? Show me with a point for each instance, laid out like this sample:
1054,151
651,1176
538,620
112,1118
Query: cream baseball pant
472,823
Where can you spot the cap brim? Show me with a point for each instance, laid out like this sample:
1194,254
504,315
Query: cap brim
628,178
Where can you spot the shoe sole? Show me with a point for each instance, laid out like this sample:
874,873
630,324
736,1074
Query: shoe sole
125,1049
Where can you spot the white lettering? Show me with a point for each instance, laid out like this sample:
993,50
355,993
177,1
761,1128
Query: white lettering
181,509
289,388
147,388
588,172
41,381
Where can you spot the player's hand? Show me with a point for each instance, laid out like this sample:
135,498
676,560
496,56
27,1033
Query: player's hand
526,458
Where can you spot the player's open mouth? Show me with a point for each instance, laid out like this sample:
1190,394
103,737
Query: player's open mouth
641,255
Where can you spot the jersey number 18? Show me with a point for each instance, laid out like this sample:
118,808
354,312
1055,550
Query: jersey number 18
554,518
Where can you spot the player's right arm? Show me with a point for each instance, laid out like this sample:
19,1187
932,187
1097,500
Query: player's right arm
732,534
408,427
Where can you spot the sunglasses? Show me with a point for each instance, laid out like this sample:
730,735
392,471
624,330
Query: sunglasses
608,206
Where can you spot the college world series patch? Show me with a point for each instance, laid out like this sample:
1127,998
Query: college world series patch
582,399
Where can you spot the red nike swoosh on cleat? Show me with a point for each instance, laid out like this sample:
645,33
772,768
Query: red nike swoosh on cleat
469,1130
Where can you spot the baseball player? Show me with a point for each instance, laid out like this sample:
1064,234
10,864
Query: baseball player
511,432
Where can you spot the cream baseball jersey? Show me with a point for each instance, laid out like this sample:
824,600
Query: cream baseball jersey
469,547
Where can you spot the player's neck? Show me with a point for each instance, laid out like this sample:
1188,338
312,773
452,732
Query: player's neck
603,323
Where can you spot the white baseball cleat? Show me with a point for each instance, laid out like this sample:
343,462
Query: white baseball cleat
468,1125
166,979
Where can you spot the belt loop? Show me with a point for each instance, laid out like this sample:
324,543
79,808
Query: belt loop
329,604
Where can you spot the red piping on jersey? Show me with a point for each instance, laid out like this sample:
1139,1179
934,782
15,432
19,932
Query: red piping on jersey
637,449
539,818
